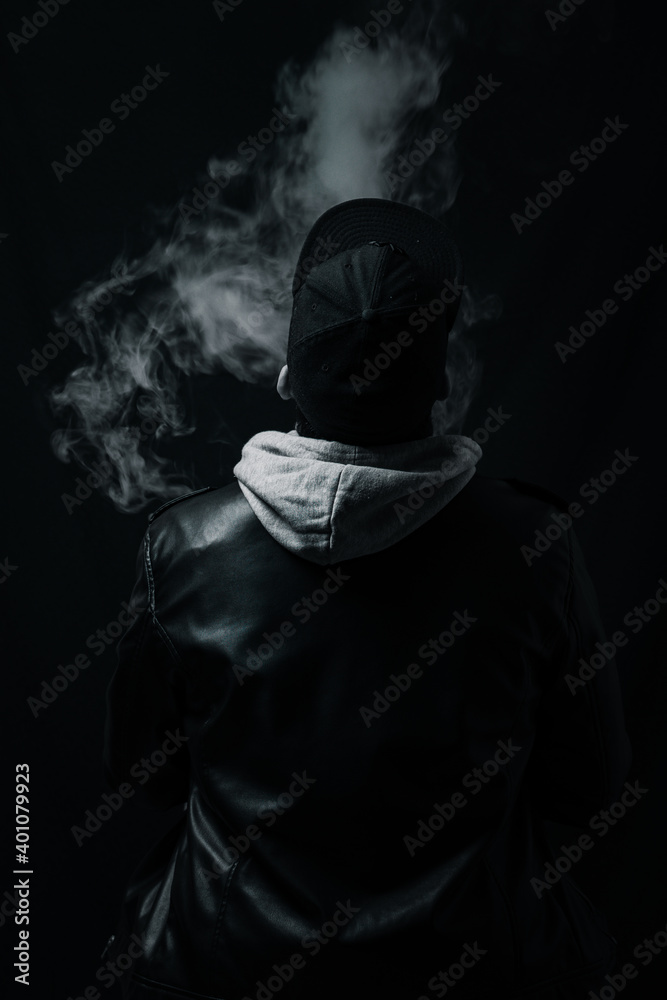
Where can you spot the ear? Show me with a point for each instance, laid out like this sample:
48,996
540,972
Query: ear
283,384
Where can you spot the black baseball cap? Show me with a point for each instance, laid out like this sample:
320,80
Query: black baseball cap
367,343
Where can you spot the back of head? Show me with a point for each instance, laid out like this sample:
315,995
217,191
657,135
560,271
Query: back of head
367,342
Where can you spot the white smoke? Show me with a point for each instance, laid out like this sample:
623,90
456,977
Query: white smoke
214,291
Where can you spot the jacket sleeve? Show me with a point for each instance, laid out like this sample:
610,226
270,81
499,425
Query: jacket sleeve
143,743
582,754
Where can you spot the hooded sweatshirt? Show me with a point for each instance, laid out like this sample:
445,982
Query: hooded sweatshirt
328,502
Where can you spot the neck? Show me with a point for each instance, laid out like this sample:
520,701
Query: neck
423,430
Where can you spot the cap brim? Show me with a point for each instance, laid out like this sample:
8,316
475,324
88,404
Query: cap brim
427,241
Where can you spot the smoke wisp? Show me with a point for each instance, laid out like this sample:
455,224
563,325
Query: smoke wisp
214,291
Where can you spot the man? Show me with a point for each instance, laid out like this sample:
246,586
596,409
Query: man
355,683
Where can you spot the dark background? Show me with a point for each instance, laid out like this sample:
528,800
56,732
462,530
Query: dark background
73,570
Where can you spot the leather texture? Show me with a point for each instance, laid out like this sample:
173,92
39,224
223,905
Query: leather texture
332,771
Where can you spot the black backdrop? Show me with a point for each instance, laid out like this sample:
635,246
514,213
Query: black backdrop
66,575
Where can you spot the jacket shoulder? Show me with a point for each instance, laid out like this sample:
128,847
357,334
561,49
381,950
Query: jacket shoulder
511,492
201,519
508,508
180,499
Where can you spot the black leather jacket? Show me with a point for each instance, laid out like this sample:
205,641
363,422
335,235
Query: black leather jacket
365,754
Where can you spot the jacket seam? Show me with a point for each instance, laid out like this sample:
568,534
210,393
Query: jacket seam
149,573
157,624
221,911
176,990
109,768
160,629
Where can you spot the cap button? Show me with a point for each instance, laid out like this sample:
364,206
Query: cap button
368,314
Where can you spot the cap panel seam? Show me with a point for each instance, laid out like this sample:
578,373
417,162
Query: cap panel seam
383,314
379,273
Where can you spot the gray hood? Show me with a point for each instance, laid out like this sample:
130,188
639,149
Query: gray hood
328,502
